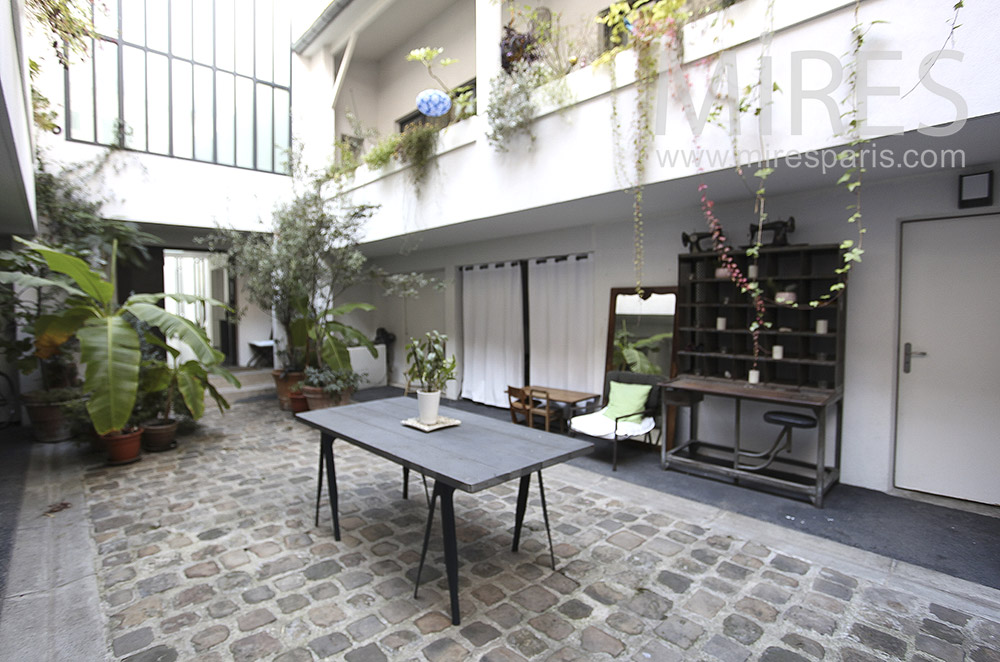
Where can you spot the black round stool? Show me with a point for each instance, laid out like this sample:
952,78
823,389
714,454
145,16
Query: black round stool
787,420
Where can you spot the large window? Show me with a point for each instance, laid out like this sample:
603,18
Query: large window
208,80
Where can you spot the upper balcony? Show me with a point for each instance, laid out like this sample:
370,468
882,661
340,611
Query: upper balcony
577,157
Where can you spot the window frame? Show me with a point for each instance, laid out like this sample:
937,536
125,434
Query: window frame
279,163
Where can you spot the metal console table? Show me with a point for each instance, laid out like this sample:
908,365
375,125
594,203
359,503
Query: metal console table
809,479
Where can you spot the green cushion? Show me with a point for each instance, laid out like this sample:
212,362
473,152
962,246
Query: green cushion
626,399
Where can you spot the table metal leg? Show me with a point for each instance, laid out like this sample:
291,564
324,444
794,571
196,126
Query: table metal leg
736,447
545,516
326,447
522,504
450,546
663,432
820,456
319,484
406,482
427,538
693,432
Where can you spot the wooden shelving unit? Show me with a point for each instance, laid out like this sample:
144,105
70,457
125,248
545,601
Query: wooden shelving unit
715,361
811,359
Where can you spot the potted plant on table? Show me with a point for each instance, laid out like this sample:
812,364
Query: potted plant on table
109,345
427,365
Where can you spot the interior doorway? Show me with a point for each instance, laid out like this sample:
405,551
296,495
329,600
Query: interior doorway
948,397
202,274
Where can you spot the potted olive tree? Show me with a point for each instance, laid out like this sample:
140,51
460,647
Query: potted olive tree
305,262
109,345
428,366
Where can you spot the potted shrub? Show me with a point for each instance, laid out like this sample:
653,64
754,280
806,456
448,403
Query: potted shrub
427,365
332,380
326,387
188,380
109,345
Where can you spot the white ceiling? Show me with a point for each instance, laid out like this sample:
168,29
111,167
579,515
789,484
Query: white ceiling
397,21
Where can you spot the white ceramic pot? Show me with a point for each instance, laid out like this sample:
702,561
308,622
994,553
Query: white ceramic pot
754,376
785,297
428,404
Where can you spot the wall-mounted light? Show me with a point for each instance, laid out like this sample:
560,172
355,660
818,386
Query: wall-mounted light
975,189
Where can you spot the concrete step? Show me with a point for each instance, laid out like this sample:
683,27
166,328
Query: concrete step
252,380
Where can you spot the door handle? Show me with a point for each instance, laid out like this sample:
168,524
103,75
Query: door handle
908,354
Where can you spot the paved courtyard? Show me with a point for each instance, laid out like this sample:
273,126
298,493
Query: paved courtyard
210,552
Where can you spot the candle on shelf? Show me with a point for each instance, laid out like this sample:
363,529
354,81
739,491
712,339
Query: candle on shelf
778,352
754,376
822,326
720,323
752,272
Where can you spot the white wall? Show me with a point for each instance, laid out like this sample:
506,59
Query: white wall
400,81
574,155
254,324
870,365
17,182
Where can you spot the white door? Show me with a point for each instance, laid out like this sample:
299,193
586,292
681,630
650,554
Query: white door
948,409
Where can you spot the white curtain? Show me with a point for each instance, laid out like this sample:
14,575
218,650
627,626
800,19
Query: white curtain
562,326
492,336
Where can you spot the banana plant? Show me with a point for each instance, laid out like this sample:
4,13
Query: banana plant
109,346
630,354
328,337
189,380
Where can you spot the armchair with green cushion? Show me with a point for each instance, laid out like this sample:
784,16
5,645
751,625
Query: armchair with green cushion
629,407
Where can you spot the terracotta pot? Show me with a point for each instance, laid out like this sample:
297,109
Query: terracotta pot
298,402
48,421
283,384
123,447
318,399
159,435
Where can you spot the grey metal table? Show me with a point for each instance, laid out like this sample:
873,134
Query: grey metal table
480,453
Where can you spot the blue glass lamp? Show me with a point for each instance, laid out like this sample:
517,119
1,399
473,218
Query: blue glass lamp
433,103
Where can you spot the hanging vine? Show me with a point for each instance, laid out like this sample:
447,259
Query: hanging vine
645,26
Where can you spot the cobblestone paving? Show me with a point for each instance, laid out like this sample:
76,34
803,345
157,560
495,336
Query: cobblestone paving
209,553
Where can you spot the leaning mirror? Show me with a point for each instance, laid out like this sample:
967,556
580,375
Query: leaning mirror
641,330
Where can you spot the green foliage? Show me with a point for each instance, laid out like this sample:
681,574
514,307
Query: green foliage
345,163
333,382
463,102
379,156
462,98
416,148
327,339
641,26
68,24
511,109
70,222
426,362
634,354
109,345
308,260
69,28
189,380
